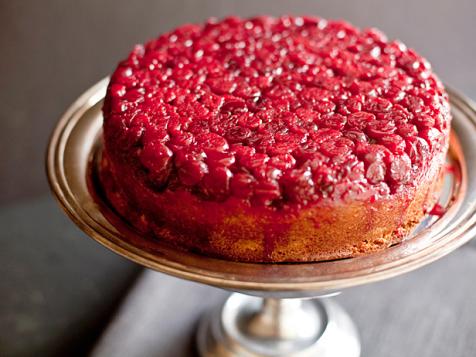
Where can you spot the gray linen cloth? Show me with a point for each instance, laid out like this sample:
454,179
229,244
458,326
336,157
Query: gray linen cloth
427,313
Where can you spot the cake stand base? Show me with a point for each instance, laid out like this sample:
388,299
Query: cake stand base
248,326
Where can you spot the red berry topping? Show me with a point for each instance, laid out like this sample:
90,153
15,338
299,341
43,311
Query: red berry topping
275,111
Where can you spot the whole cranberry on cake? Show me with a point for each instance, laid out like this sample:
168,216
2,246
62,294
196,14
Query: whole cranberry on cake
274,139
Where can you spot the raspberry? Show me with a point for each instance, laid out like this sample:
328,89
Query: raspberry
276,111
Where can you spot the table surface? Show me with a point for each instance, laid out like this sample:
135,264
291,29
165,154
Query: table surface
60,291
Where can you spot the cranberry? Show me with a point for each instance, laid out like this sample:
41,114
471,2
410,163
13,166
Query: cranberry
372,152
307,115
212,142
238,134
375,172
191,168
432,136
280,148
216,183
381,129
407,130
400,169
359,120
221,86
417,149
333,121
283,161
424,121
325,135
394,143
335,150
266,192
354,104
220,158
117,90
233,105
324,177
247,91
414,103
156,157
356,135
298,185
181,141
377,105
324,106
212,101
241,185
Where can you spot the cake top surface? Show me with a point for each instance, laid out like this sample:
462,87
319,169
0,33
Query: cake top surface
288,110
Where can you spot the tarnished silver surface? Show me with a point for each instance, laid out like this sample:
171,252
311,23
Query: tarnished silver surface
247,326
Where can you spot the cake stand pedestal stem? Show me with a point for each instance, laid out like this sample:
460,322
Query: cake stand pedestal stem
248,326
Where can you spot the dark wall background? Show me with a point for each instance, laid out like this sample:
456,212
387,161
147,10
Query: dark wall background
53,50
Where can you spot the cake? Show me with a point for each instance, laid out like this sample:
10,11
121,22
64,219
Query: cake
290,139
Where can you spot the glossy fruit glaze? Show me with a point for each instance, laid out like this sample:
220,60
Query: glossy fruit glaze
277,112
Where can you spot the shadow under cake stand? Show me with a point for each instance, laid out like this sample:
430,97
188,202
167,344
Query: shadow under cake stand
270,312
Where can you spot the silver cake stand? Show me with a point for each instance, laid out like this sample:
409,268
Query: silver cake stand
270,312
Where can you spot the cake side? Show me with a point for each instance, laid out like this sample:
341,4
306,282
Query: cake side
234,231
